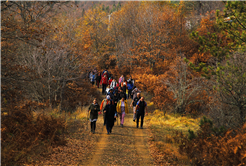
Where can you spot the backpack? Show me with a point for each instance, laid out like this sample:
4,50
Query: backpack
104,104
135,100
137,106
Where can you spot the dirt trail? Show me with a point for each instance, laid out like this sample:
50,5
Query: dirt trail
124,146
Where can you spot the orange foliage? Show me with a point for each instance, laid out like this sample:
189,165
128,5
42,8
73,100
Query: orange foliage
24,135
208,149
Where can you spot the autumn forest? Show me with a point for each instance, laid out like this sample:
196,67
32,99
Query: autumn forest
187,57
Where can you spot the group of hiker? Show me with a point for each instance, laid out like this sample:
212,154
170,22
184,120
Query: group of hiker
115,103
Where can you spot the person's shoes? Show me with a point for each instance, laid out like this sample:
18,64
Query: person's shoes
141,127
121,125
93,132
108,133
137,126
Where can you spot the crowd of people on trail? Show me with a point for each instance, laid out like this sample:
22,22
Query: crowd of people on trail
115,103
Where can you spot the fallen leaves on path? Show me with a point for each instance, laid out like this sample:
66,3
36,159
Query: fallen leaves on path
80,143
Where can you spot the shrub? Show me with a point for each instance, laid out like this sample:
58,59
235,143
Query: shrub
213,146
24,136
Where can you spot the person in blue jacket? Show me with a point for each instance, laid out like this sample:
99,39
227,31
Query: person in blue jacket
130,86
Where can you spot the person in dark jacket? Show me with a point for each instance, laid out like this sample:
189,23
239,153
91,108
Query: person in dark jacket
122,94
110,115
98,79
116,91
124,86
133,104
115,100
141,108
111,94
94,109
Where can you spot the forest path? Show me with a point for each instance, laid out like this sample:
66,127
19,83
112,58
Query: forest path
126,145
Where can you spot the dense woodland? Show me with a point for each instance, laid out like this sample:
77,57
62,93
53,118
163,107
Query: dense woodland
189,56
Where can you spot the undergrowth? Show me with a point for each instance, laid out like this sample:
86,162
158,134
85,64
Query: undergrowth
213,146
177,140
164,143
24,135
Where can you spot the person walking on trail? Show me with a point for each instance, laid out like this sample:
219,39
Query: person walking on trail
135,91
121,79
113,84
130,85
133,104
116,91
106,71
110,115
98,79
104,84
122,94
115,99
110,80
107,89
95,70
92,78
124,86
94,109
130,79
122,109
111,94
141,108
103,105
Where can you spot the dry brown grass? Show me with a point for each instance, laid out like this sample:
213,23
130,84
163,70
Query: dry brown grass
163,142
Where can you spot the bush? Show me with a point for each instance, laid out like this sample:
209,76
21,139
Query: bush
24,136
212,146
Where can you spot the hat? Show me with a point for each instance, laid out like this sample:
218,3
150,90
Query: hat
108,97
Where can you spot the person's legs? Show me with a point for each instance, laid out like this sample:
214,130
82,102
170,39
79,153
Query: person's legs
91,126
142,119
134,114
122,119
102,89
94,126
97,84
129,93
108,128
138,115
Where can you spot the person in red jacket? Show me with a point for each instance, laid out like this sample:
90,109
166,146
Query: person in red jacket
104,84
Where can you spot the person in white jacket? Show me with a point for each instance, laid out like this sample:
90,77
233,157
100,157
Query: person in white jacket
113,84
